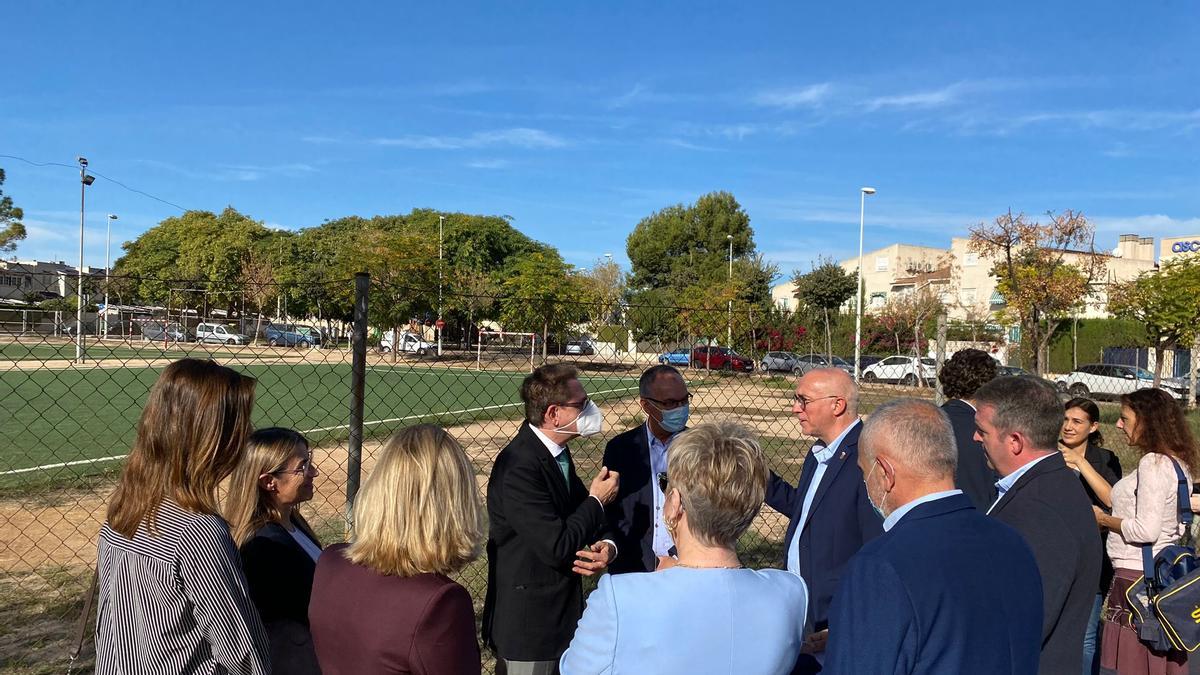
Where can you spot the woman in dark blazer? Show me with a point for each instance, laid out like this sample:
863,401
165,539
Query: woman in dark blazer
1099,469
383,603
279,550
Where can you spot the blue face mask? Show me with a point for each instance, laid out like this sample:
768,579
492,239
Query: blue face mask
674,420
883,502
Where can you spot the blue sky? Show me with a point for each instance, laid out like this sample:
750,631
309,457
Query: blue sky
578,119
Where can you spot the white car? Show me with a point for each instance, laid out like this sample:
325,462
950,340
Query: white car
906,370
215,332
1110,380
407,343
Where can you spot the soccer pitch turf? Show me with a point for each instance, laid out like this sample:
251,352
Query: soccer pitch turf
54,416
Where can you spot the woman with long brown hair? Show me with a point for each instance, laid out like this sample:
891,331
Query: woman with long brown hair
172,597
1145,511
279,549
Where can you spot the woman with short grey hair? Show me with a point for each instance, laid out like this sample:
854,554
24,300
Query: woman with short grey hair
701,611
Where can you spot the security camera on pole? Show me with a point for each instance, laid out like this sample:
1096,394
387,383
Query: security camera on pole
84,181
858,293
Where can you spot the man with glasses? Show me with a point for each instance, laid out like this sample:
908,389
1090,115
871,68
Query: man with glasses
635,517
545,527
831,517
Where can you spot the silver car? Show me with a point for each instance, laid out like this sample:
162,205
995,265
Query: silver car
774,362
813,361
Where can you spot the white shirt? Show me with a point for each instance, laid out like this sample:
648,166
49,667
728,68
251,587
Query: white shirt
662,541
822,455
1005,484
891,520
310,547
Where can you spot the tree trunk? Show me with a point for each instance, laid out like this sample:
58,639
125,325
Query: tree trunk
470,325
828,338
1159,349
395,342
545,337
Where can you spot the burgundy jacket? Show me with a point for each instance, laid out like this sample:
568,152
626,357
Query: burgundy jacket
366,622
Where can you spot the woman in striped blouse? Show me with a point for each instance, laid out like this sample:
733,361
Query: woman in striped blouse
172,598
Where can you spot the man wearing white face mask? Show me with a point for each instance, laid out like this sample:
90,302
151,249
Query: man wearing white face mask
944,590
546,529
640,456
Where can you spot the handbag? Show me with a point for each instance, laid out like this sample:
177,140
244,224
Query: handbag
1166,604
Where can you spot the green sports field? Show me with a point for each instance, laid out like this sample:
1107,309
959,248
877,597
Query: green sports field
53,416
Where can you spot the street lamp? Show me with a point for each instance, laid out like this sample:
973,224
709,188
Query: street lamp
84,181
107,263
729,322
440,324
858,289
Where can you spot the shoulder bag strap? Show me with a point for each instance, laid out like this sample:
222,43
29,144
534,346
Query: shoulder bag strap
1183,503
81,630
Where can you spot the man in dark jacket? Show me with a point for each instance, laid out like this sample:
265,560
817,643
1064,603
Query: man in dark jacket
545,527
961,376
1018,420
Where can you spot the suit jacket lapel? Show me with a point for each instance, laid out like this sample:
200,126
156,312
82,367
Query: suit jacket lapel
844,453
553,474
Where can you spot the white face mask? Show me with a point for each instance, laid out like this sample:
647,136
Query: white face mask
589,423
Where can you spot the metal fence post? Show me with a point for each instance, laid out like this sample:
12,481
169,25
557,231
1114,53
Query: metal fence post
1194,368
358,376
940,397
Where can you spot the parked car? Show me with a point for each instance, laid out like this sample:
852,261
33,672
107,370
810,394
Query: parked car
215,332
773,362
406,342
906,370
864,360
1108,380
1012,371
721,358
314,335
581,348
813,361
157,331
678,357
286,336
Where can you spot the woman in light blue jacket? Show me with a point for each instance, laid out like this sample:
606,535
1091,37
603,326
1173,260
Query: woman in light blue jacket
701,612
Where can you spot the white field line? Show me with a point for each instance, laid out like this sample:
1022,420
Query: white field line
60,465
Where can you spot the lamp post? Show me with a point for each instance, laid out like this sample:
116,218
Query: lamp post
441,223
729,278
107,267
84,181
858,292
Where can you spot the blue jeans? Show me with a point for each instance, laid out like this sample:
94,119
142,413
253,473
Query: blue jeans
1091,639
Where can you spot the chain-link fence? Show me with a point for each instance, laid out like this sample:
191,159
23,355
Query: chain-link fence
366,359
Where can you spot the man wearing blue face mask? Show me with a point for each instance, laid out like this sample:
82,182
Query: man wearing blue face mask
639,455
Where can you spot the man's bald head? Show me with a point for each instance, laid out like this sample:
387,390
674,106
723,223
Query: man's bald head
912,433
826,403
835,382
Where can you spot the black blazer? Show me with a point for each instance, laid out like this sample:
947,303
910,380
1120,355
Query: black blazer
1108,465
973,476
536,525
840,522
279,575
631,514
1050,509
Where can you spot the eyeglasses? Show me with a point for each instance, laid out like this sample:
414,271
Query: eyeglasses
581,404
662,482
301,470
672,404
803,401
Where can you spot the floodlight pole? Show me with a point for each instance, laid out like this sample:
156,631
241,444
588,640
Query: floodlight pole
84,179
729,319
107,268
858,289
441,223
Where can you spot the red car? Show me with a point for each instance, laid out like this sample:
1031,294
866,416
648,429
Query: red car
720,358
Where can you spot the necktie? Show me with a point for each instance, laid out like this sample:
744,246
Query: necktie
565,465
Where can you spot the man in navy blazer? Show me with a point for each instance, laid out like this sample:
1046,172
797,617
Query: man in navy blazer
945,590
638,456
831,517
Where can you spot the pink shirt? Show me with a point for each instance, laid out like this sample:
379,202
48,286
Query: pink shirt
1149,516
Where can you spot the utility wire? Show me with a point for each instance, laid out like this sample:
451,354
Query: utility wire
98,175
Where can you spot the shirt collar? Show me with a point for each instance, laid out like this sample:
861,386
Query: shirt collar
891,520
652,439
1005,484
554,448
825,454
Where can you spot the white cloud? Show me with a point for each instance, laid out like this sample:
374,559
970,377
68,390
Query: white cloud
489,164
628,97
921,99
520,137
1149,225
803,97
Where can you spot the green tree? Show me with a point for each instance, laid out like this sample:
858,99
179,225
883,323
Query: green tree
11,228
401,276
825,288
540,295
1166,302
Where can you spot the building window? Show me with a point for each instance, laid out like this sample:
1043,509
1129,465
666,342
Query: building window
881,264
967,296
878,299
970,260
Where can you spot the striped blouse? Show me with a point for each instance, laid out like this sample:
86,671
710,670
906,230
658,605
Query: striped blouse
176,602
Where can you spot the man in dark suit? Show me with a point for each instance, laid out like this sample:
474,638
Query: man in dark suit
1018,422
945,590
544,527
961,376
831,517
639,456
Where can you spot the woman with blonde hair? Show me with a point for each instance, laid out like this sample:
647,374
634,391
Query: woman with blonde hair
279,550
701,612
1145,512
383,603
172,597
